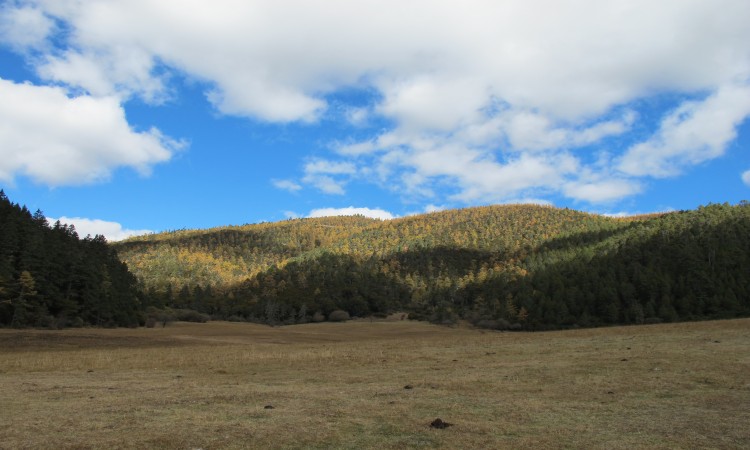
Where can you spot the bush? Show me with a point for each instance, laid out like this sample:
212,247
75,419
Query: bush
167,315
444,316
189,315
318,317
338,316
418,315
499,324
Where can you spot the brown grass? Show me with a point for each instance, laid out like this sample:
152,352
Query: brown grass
342,386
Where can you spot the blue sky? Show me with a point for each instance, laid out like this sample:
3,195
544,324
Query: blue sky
126,116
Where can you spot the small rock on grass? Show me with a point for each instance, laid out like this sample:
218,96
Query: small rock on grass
440,424
268,407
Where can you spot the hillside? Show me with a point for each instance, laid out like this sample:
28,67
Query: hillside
524,266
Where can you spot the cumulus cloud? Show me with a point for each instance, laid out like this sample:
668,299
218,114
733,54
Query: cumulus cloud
504,97
60,140
746,177
352,211
113,231
576,60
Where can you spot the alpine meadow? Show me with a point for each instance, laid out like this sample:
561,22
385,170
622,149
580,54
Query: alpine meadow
374,224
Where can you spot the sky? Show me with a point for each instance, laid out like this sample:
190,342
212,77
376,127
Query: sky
127,117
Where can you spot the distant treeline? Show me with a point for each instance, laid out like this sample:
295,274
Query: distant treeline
49,277
513,266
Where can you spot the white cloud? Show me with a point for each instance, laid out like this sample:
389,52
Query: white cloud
576,60
601,191
326,184
60,140
24,27
478,174
329,167
746,177
113,231
621,214
695,132
470,89
287,185
352,211
355,148
532,131
123,72
318,173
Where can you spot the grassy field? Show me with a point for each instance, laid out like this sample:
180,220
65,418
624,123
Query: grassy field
376,385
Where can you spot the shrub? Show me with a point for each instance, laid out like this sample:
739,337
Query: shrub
444,316
167,315
338,316
189,315
318,317
499,324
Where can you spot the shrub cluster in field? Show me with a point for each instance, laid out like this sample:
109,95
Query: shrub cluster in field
164,316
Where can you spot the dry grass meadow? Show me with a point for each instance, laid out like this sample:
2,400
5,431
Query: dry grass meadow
344,385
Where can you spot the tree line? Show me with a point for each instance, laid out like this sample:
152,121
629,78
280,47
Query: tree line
50,277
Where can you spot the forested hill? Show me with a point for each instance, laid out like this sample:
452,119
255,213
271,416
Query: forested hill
49,277
525,266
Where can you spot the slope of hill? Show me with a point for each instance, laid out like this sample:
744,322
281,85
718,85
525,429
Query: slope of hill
526,266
